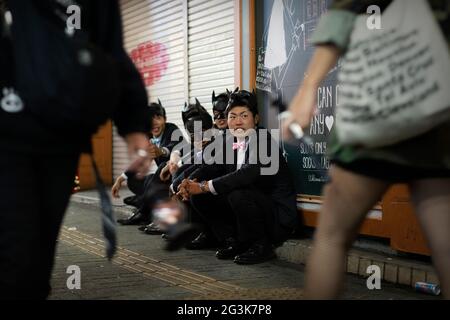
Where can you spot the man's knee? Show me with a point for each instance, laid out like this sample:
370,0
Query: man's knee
200,201
239,197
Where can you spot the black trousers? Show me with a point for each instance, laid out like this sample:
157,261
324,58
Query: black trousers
137,186
35,191
244,214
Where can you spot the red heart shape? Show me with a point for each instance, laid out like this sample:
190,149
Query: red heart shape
152,60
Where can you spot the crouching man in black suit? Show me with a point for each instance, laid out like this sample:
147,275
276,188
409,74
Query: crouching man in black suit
249,201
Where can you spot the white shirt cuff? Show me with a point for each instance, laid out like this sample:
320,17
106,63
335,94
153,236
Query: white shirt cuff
211,188
171,188
123,175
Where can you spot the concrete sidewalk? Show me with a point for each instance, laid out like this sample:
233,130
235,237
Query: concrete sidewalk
282,278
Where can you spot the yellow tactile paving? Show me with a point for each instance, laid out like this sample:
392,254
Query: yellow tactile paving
150,267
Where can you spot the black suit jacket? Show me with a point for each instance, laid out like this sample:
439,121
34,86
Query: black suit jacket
166,142
279,186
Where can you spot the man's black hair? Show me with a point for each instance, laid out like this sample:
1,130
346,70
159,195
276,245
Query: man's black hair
156,109
243,98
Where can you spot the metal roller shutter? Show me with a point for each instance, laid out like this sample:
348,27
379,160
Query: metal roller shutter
158,26
211,48
189,46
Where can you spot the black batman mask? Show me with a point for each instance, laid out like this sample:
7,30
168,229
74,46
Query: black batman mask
196,112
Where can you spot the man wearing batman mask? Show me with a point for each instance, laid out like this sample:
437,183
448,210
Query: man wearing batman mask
219,105
249,210
161,146
186,157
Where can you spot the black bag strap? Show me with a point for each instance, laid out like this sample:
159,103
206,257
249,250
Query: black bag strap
108,219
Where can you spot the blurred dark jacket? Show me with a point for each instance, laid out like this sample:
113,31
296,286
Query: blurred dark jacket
102,19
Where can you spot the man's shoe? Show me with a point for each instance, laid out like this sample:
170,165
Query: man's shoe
203,241
257,253
231,249
153,228
166,237
131,201
136,219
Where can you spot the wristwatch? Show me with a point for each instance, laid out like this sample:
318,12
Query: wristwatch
204,187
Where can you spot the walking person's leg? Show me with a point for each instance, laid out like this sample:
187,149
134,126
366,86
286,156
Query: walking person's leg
35,192
347,199
57,173
19,227
431,199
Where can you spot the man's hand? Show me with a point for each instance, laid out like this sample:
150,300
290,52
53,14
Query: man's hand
183,192
165,173
138,149
193,187
116,187
154,151
173,167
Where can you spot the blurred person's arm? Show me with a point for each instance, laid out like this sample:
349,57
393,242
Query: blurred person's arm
331,36
304,104
131,113
117,185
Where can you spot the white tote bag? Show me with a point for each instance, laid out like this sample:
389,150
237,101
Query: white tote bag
394,83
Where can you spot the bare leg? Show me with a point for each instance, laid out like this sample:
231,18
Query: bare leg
431,199
347,199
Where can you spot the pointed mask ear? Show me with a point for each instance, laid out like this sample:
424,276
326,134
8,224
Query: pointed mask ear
159,102
197,102
228,92
236,90
214,96
185,106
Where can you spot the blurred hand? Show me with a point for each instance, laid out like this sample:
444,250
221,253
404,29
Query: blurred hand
138,149
116,187
173,167
165,173
304,105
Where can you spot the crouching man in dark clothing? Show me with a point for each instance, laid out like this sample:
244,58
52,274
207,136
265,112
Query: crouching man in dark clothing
161,145
250,204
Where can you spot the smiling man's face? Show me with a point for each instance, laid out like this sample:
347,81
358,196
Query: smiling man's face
241,120
158,125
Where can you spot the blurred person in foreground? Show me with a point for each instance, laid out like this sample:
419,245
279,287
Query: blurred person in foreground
40,153
359,176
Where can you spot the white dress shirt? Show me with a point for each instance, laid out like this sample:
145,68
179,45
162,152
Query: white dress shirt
240,161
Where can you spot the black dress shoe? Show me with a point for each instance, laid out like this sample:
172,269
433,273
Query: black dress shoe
165,236
231,249
153,228
203,241
257,253
136,219
131,201
180,234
